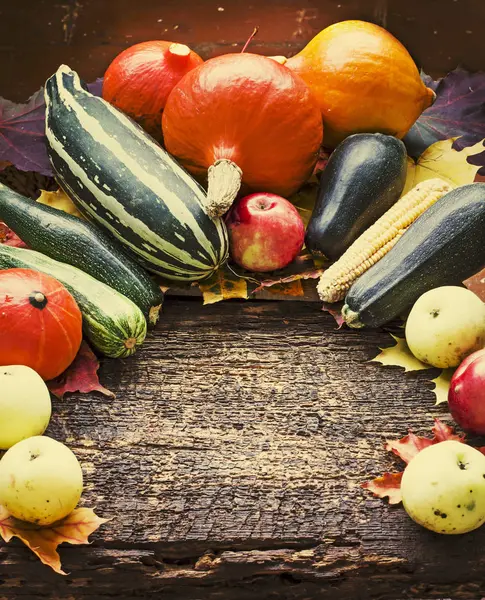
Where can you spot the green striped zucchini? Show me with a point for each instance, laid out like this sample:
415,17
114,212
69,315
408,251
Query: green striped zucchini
80,244
111,322
444,246
122,179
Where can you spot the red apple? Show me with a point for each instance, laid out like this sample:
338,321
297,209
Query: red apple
466,397
266,232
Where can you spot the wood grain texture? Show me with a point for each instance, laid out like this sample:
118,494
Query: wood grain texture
38,35
231,463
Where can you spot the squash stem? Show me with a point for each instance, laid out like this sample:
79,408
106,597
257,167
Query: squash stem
351,317
250,39
179,52
130,343
224,181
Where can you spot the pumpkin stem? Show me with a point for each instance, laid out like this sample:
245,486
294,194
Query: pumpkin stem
224,181
250,39
38,300
179,52
279,59
429,98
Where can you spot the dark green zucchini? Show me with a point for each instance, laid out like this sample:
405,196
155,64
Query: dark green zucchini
445,246
80,244
364,177
125,182
111,322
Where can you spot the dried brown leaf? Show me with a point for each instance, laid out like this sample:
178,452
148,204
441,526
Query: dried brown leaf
43,541
81,376
388,485
224,284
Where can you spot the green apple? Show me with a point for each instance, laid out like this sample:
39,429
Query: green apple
41,480
25,405
443,488
445,325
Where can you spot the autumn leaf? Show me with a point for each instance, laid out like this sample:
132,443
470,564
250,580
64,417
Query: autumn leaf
406,449
43,541
400,355
335,310
81,376
443,433
224,284
312,273
476,284
290,288
323,156
22,132
441,160
442,385
9,237
60,200
388,485
458,111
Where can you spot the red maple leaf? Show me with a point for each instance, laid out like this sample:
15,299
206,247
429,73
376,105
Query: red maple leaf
388,485
336,311
406,448
10,238
81,376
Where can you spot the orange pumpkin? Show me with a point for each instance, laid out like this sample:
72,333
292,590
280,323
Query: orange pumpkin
140,79
364,80
40,322
243,118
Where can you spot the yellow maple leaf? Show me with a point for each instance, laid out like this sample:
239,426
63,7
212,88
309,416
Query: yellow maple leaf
60,200
440,160
400,355
224,284
43,541
442,385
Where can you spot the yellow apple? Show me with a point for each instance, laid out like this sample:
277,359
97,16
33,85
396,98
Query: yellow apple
443,488
25,405
41,480
445,325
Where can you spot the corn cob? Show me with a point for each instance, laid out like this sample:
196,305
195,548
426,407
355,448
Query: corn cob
374,243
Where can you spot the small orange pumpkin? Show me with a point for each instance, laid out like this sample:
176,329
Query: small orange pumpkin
140,79
364,80
40,322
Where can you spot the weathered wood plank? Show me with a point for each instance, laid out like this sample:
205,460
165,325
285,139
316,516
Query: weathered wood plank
231,460
37,35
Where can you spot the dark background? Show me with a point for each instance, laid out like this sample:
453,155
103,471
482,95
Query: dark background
37,35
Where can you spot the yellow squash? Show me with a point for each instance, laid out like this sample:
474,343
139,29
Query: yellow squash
364,79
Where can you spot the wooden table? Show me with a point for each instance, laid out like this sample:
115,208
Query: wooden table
231,462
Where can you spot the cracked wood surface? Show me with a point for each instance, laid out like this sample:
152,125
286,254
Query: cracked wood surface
231,460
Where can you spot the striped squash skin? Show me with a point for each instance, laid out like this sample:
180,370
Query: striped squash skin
81,244
122,179
111,322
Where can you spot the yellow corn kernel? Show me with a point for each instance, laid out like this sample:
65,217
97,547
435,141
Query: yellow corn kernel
376,241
